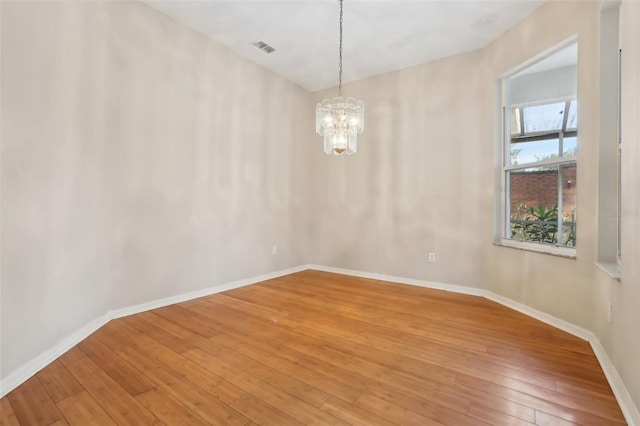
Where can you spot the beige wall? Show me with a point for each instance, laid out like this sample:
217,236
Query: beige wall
420,182
55,209
423,181
622,336
131,171
139,161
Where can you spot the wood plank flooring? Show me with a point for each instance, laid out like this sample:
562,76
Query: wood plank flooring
324,349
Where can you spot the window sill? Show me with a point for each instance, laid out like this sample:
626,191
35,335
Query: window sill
612,269
567,252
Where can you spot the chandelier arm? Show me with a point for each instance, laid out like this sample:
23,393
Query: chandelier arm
340,64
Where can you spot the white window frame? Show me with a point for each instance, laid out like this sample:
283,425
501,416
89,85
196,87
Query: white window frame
609,257
503,214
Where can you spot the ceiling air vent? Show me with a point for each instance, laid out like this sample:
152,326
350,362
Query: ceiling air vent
264,47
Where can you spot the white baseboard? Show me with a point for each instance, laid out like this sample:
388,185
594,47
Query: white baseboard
539,315
629,409
400,280
29,369
172,300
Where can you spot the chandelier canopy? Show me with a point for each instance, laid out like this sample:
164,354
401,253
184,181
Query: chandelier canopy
340,120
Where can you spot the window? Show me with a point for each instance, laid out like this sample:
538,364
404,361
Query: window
610,148
539,155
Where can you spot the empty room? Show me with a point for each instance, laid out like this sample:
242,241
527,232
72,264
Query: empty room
349,212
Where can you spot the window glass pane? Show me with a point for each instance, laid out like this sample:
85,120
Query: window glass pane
569,182
543,117
572,119
531,152
534,204
569,146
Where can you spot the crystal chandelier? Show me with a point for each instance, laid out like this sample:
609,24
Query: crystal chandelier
340,120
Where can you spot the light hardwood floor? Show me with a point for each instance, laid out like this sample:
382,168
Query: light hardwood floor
325,349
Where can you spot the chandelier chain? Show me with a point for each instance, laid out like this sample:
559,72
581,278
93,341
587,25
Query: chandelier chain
340,64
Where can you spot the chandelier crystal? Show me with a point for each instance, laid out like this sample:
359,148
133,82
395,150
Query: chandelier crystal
340,120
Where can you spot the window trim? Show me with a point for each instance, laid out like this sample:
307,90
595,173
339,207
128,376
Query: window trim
610,150
502,161
548,162
568,252
619,166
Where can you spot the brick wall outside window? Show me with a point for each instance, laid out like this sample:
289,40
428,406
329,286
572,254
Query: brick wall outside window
540,188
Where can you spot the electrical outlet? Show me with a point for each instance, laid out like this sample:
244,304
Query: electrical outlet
274,250
609,312
432,258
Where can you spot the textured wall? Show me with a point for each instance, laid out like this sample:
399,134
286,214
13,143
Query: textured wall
139,161
421,180
56,211
622,336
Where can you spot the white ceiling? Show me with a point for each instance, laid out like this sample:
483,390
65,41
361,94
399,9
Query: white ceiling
379,35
